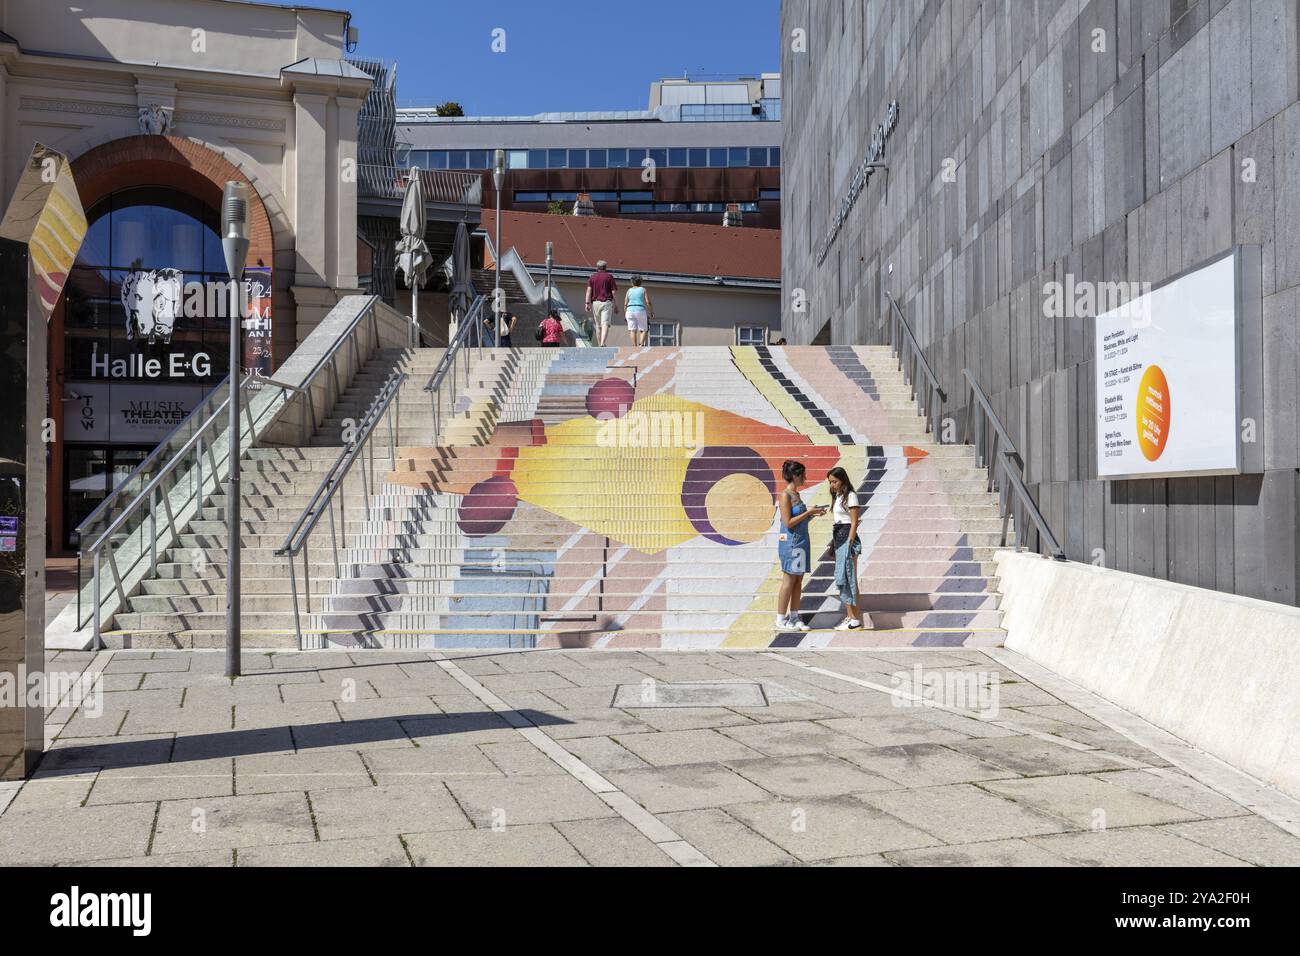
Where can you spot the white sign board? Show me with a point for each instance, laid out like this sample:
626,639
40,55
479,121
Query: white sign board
1167,379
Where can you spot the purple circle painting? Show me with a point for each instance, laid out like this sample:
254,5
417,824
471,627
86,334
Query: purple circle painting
610,398
728,494
488,506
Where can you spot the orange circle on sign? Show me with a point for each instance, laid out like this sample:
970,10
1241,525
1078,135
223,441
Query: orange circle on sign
1153,415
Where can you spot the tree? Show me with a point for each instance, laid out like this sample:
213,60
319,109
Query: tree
449,108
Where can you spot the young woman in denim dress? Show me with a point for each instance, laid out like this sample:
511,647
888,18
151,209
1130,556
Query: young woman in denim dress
794,549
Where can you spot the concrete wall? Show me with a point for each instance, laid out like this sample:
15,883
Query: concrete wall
1110,140
1219,671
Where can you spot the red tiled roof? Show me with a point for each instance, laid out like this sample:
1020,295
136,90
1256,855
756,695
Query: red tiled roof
641,245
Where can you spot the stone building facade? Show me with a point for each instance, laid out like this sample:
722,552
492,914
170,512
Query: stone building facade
158,103
1112,140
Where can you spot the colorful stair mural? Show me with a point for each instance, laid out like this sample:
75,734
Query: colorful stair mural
635,506
611,498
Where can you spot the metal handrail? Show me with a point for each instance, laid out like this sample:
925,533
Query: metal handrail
151,496
912,362
322,500
995,450
366,311
146,466
147,496
471,325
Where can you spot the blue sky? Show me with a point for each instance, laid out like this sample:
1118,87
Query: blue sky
560,54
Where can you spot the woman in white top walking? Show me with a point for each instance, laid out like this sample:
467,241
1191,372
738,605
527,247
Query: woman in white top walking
844,539
639,312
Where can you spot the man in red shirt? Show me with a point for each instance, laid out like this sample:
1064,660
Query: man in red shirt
602,305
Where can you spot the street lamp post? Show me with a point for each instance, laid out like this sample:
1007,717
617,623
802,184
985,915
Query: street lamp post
550,259
499,180
234,243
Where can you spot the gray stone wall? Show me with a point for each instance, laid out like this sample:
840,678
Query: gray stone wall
1133,158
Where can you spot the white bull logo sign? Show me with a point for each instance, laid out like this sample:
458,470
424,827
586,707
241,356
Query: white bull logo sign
153,302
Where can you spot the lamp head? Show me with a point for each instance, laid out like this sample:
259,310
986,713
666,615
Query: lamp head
499,167
234,227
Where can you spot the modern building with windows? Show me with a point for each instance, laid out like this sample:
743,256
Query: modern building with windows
158,104
701,146
969,159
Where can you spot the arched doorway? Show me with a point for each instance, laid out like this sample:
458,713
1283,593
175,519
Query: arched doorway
141,332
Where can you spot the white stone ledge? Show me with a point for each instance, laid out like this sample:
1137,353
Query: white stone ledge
1219,671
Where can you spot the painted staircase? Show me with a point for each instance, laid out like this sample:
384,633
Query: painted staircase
608,498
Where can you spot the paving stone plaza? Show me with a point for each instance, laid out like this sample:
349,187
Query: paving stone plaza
498,758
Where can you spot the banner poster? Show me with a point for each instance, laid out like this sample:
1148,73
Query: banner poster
1167,379
257,324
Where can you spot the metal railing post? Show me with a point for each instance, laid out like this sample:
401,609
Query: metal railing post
153,532
94,611
293,586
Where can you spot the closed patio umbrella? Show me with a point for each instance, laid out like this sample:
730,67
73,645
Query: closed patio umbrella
462,292
413,256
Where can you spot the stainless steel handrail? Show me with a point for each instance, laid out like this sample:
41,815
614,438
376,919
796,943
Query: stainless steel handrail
995,450
218,390
322,500
148,494
912,361
470,327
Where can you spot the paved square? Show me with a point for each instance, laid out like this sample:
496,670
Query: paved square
551,758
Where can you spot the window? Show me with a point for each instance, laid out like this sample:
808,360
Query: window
758,155
717,157
557,158
517,159
596,158
637,194
663,334
636,158
457,159
531,197
659,157
617,158
765,194
738,156
676,157
132,233
577,159
537,159
478,159
437,158
751,335
774,156
699,158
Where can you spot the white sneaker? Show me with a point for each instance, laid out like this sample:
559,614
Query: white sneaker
848,624
797,624
782,623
